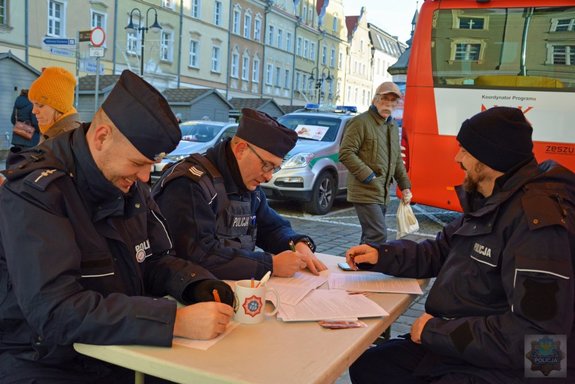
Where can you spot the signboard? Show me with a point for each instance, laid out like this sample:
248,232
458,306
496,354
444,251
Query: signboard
97,51
84,36
97,37
58,41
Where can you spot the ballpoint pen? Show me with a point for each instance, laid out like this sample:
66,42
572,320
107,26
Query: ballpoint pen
264,279
291,245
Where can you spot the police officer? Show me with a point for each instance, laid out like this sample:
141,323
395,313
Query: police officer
504,268
219,214
85,256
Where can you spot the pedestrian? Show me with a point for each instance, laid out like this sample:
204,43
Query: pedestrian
22,111
219,214
504,269
85,256
371,152
52,95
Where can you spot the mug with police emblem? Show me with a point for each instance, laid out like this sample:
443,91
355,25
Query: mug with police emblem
250,302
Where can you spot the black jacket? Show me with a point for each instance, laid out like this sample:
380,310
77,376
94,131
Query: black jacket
23,110
504,271
78,258
193,218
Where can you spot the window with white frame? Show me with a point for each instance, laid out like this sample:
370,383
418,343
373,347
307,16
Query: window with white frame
324,55
167,45
171,4
278,76
304,14
287,79
237,14
563,54
56,18
245,67
256,70
258,29
298,46
340,61
305,48
194,61
196,9
288,42
218,10
280,38
269,74
465,22
215,59
97,19
271,35
466,51
247,25
312,51
332,58
562,25
235,64
3,12
297,81
334,24
133,38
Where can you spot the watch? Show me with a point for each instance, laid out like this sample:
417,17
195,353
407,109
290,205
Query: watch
307,241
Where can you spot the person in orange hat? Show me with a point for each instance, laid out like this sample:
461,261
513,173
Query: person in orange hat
52,95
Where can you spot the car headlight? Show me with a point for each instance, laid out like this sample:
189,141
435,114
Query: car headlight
299,160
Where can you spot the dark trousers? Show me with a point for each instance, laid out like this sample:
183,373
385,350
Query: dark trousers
401,361
372,220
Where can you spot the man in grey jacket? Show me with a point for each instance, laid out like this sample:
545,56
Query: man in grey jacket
370,150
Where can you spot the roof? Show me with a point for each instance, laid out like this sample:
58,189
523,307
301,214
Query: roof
191,95
10,56
351,24
88,83
246,102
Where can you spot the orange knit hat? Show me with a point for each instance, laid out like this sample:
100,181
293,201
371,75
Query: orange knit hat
54,87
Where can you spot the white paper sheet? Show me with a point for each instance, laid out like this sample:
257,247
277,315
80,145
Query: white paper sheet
324,304
292,290
204,344
373,282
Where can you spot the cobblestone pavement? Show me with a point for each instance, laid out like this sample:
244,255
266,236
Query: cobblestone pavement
335,232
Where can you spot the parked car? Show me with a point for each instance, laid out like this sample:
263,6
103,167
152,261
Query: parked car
311,172
197,137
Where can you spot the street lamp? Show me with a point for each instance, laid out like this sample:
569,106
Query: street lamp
318,78
142,28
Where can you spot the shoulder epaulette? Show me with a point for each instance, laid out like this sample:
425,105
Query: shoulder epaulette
41,178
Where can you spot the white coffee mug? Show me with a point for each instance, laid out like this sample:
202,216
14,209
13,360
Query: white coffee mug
250,302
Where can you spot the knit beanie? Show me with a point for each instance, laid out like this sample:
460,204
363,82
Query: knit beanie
55,87
499,137
264,131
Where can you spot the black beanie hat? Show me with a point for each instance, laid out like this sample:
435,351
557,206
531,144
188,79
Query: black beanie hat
499,137
260,129
143,115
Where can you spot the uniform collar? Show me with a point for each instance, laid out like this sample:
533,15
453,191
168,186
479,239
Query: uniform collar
222,156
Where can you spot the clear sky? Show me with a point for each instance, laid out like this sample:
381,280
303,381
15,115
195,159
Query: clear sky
393,16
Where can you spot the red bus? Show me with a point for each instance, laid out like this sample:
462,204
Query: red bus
470,55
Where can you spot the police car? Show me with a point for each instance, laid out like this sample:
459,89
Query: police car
311,172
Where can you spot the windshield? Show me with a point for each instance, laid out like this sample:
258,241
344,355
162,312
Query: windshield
317,128
199,132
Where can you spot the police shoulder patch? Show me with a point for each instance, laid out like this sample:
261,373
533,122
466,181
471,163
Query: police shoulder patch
195,172
41,178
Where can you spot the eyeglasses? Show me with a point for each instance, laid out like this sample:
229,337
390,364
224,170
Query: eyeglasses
266,165
386,97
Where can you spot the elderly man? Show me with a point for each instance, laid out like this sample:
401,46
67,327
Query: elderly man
504,269
84,253
218,213
370,151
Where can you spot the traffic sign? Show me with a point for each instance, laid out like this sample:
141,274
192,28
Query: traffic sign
97,37
97,51
84,35
59,41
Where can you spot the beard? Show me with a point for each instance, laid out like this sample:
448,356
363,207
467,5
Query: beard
473,179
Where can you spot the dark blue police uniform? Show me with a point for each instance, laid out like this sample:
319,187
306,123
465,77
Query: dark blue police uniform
55,292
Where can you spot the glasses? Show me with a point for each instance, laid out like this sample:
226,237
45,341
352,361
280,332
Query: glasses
266,165
386,97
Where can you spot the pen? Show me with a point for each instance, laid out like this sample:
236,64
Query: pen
252,283
291,245
264,279
216,296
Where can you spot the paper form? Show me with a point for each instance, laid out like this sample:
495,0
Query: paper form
292,290
324,304
204,344
373,282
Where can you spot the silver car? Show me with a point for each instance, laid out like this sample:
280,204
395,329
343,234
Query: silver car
197,137
311,172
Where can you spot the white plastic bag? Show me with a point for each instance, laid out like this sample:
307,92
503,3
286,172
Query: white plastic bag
406,220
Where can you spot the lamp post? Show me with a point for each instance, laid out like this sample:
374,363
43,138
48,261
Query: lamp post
319,78
142,28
